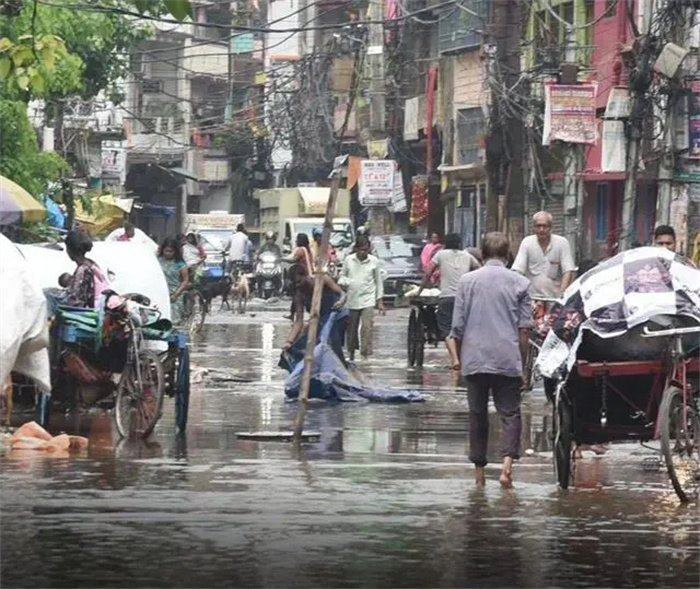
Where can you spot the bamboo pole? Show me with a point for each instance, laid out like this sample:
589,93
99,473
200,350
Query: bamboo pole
319,273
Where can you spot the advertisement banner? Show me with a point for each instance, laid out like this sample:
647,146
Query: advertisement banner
614,154
570,113
694,120
398,201
376,183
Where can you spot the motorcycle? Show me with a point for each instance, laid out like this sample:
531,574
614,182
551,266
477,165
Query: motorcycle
268,275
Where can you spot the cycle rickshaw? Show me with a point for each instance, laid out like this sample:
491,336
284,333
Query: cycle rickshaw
99,355
629,368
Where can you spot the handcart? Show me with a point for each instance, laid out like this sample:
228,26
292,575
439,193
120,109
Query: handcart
422,328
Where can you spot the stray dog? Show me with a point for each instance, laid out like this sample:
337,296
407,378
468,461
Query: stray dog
240,291
220,288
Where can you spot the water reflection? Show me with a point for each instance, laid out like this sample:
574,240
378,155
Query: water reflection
385,498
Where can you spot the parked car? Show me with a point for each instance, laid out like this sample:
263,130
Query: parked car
399,256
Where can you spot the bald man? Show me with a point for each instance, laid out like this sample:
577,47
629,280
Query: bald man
545,259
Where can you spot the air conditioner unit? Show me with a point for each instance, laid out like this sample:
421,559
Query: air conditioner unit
670,60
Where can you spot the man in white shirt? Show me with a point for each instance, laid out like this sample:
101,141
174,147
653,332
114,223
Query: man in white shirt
545,259
361,276
237,246
453,263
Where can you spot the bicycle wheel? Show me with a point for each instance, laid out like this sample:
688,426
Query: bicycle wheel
680,442
420,340
411,336
563,440
139,404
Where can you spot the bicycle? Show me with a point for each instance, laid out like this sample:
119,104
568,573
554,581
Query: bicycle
141,388
540,311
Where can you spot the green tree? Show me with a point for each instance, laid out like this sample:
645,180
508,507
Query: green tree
20,158
55,51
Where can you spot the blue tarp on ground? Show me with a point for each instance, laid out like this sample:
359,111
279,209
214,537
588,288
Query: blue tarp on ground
330,379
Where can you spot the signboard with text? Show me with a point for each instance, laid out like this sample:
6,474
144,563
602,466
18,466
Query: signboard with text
376,186
570,113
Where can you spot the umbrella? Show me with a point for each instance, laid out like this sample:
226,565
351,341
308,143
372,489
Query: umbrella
16,204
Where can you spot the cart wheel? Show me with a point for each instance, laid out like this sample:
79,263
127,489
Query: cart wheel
680,442
550,389
196,312
420,339
139,404
411,337
562,421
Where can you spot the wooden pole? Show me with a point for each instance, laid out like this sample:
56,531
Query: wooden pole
320,264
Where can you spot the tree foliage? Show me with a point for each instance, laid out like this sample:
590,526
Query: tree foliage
55,51
20,158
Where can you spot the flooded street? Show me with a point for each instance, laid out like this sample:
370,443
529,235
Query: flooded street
384,499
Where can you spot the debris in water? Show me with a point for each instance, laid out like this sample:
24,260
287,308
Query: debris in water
31,436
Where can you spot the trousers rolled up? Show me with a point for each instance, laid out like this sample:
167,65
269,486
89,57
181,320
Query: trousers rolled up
506,398
360,323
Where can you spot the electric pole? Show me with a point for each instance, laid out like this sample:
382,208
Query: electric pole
380,221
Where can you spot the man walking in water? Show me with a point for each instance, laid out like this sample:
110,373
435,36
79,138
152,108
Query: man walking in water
490,328
545,259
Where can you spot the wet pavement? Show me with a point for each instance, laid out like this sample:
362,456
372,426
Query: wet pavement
384,499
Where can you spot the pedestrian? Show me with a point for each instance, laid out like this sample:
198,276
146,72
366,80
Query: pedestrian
490,328
362,278
665,236
129,232
545,258
88,281
176,276
301,255
429,250
332,299
453,263
238,245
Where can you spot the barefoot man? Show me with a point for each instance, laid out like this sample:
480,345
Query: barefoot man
490,327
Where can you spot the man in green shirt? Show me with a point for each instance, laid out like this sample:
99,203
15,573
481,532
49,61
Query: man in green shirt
361,276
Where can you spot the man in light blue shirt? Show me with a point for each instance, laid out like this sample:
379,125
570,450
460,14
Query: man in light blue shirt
361,276
490,329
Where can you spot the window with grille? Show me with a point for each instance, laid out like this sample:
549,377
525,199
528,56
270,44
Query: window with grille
470,133
461,25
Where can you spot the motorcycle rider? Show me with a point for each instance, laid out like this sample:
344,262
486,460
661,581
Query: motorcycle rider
316,246
270,245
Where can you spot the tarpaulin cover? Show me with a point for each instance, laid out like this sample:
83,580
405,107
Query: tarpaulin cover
24,335
617,296
330,379
56,216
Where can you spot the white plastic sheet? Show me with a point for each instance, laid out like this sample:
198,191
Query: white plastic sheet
24,333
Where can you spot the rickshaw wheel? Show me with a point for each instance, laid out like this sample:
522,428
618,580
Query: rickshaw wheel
562,440
139,404
411,337
420,339
680,443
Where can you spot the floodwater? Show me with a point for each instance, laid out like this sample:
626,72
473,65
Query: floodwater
384,499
